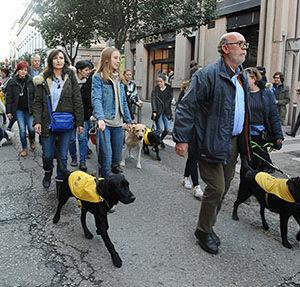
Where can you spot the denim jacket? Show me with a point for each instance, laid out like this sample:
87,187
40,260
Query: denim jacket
103,100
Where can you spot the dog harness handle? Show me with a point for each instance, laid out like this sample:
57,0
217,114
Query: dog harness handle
97,151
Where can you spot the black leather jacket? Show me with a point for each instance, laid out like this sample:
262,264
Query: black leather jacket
13,90
162,105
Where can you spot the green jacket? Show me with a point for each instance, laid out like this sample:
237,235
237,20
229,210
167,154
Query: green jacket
70,100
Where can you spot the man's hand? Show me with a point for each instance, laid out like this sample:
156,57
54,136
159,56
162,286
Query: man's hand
38,129
181,148
9,116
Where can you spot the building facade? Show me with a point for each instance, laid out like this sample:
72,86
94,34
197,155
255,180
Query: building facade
270,26
27,39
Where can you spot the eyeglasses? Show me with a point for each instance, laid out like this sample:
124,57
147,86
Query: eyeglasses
249,70
241,44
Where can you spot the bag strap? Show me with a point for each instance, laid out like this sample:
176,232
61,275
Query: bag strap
49,106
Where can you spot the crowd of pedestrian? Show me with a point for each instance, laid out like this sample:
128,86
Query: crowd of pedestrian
223,110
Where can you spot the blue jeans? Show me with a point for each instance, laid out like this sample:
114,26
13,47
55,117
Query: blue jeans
82,141
25,121
48,144
114,143
167,125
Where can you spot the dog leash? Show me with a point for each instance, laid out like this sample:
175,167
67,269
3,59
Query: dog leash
272,165
153,126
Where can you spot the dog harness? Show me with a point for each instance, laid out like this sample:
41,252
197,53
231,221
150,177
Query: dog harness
273,185
146,136
83,187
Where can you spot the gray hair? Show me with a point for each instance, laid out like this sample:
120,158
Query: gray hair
35,56
223,41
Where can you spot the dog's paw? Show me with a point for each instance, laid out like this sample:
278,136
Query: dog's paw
56,219
265,226
89,235
117,260
286,244
138,165
158,158
122,163
298,236
235,217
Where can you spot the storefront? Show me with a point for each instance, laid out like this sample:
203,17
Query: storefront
161,57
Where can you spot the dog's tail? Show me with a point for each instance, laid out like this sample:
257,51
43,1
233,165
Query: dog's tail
63,169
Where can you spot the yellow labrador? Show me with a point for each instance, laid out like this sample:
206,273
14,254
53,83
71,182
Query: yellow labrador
134,139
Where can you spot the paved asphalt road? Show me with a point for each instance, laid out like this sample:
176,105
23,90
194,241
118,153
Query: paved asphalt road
154,235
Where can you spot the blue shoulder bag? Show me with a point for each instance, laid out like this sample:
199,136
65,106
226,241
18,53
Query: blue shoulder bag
60,122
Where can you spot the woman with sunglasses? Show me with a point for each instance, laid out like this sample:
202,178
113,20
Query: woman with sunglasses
265,125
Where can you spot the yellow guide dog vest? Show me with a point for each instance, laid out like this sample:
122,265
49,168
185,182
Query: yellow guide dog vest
273,185
83,187
146,136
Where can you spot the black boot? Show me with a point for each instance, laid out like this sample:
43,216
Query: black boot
58,185
82,166
116,169
291,134
47,179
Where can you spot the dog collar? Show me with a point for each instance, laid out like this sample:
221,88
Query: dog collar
146,136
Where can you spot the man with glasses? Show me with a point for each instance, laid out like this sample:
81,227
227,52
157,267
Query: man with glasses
282,95
213,119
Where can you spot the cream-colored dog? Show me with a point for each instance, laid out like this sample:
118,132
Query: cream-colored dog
133,139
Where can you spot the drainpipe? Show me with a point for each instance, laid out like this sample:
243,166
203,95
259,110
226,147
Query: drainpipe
198,45
295,74
265,29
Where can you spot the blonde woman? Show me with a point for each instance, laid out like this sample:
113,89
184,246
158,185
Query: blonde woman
110,109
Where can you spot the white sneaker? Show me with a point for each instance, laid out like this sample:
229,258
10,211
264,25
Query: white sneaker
187,183
198,193
9,134
3,141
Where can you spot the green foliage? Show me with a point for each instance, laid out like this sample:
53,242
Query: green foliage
66,23
71,23
25,57
123,20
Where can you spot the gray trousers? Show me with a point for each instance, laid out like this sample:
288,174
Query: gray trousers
217,178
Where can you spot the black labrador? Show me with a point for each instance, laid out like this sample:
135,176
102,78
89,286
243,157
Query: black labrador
285,209
152,139
109,191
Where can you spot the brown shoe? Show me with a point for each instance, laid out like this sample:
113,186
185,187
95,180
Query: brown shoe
24,152
32,145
